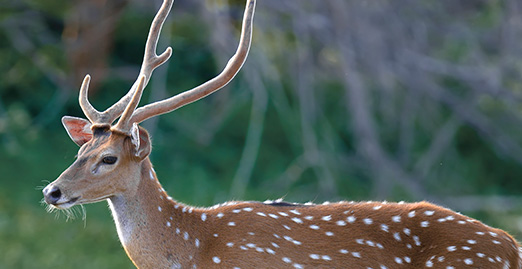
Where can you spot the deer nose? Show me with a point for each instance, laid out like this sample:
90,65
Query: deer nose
52,194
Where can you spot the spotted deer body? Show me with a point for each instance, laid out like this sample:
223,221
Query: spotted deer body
332,235
285,235
157,232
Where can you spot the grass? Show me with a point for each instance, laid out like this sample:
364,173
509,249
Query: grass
32,238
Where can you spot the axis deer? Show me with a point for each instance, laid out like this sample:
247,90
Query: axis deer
158,232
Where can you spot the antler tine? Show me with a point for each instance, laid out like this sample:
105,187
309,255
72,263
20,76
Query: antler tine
150,62
150,59
123,124
229,72
90,112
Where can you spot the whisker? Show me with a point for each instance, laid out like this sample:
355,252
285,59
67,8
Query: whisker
69,213
41,187
84,216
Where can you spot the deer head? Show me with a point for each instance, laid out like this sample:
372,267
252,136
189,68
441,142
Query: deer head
110,155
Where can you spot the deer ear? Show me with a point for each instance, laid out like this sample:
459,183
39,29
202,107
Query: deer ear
141,141
78,129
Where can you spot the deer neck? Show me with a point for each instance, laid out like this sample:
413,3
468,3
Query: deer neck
150,224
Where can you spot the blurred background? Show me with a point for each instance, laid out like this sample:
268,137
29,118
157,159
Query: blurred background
339,100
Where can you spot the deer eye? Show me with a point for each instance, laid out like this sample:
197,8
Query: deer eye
109,160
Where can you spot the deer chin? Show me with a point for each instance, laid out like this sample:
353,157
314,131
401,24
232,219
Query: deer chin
82,201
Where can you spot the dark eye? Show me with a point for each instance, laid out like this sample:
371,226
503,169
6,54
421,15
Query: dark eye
109,160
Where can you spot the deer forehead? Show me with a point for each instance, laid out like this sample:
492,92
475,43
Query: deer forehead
103,144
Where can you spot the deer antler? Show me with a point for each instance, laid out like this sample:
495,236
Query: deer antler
229,72
150,62
123,124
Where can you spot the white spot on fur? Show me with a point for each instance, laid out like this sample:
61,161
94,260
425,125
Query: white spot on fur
295,212
216,259
397,236
315,256
429,213
297,220
417,241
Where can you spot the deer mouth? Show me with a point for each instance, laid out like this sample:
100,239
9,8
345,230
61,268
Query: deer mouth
66,204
